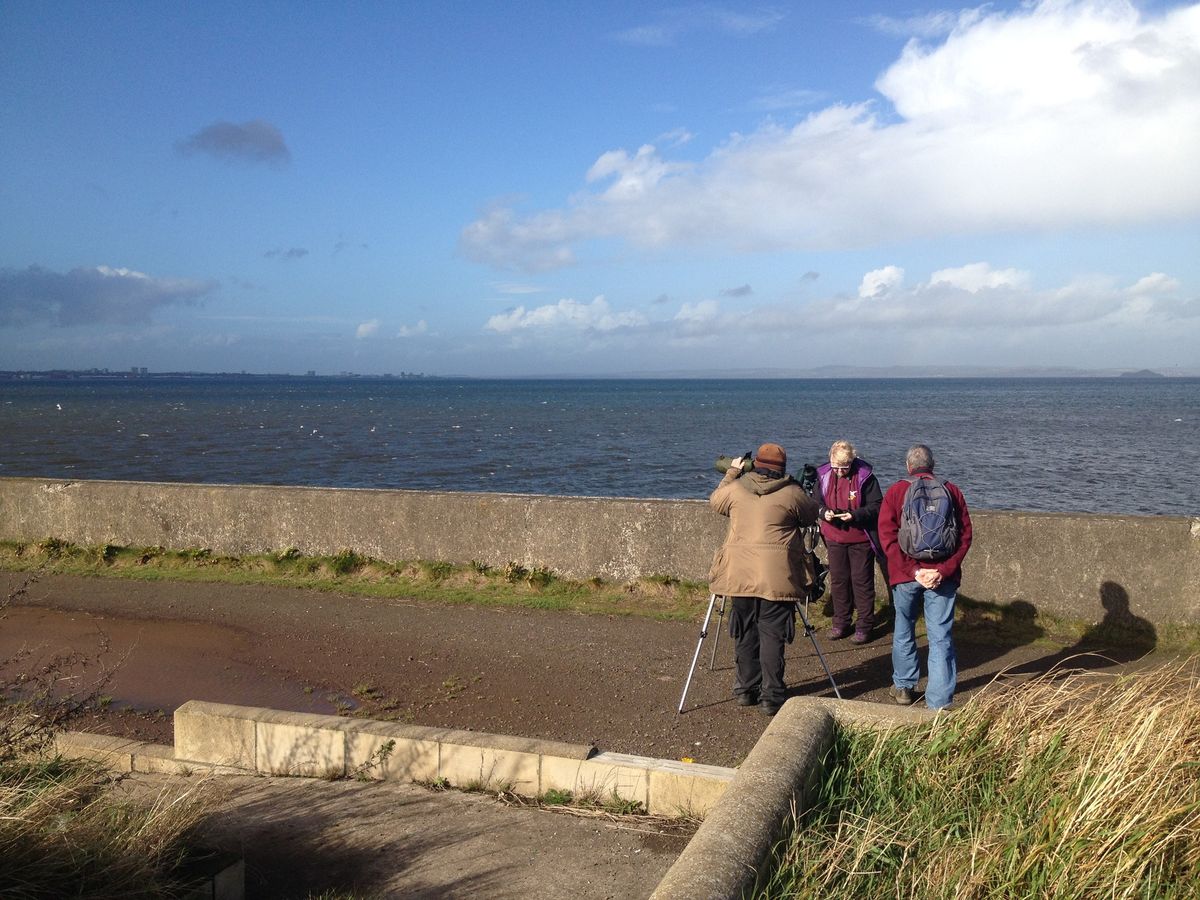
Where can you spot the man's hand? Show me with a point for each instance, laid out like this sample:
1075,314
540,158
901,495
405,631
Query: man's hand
738,464
929,578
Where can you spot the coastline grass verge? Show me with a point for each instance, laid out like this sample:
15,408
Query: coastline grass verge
1071,785
663,597
511,584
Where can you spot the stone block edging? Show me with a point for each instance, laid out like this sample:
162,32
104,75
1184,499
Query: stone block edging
225,739
735,840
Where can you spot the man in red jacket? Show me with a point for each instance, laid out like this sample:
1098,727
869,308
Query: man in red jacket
931,585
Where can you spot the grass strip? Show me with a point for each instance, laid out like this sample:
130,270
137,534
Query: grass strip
662,597
1073,785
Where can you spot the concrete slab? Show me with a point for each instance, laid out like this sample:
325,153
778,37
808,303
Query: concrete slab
283,748
215,733
684,789
115,753
472,767
604,775
410,759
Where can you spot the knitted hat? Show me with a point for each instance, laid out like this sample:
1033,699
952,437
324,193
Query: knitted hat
770,456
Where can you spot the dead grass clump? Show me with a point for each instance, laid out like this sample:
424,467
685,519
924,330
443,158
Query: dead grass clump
1072,785
64,833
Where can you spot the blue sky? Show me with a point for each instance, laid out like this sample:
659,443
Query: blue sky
548,188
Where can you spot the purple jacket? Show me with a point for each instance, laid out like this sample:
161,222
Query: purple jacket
865,514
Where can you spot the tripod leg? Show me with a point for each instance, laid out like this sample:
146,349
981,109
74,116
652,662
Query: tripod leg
712,661
700,643
811,632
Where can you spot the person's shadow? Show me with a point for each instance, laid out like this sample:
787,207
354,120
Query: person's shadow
980,641
1120,637
1120,632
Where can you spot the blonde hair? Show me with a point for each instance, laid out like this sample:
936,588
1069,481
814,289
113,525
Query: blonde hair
842,453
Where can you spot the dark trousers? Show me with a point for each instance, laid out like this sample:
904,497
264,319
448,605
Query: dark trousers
760,629
852,584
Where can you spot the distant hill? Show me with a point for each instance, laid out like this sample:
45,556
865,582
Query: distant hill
1143,373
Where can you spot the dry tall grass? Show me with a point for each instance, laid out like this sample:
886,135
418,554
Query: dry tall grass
64,829
1076,785
65,832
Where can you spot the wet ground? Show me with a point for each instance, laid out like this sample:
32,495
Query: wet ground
612,681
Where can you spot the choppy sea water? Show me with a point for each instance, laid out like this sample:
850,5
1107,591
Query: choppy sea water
1083,445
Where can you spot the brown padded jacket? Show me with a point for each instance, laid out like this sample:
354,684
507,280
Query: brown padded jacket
763,554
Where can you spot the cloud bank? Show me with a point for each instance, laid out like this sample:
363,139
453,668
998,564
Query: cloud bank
978,300
84,296
256,141
1060,114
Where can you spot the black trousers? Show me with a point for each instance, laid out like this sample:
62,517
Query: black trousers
760,629
852,584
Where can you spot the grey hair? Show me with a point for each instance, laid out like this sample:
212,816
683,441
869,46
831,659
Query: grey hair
919,457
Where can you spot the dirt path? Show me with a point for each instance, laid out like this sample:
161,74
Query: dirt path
608,680
611,681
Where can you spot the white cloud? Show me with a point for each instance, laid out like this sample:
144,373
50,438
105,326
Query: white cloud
512,288
1155,283
367,329
566,315
1059,114
673,23
407,331
974,277
927,25
976,298
780,99
634,175
880,281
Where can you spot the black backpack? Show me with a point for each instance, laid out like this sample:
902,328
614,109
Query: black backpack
928,524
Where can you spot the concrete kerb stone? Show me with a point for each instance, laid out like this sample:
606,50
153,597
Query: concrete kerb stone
226,739
741,828
274,742
724,856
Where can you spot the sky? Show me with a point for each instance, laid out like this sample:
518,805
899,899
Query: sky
548,188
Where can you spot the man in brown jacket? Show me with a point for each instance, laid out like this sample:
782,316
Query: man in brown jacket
764,567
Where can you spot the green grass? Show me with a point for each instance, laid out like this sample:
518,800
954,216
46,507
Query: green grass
1078,786
511,585
662,597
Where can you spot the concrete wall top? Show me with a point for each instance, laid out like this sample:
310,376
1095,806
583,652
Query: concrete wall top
1090,567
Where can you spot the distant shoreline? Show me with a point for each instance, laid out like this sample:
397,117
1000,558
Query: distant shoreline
821,374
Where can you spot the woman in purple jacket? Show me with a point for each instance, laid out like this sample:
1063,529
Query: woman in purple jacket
850,496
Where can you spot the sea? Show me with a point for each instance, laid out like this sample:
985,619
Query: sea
1097,445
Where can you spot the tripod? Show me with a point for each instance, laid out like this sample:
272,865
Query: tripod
809,631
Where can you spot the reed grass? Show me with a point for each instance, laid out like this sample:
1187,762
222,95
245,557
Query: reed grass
64,832
1072,785
65,828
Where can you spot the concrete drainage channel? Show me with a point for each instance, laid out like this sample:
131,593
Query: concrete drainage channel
744,809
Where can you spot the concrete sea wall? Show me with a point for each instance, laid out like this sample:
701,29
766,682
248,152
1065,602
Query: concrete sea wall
1089,567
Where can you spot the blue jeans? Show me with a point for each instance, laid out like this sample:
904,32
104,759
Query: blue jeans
939,626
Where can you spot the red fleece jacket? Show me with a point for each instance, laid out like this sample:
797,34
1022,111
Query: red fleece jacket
903,568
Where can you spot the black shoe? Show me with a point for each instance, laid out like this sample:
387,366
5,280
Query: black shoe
903,696
767,708
746,699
